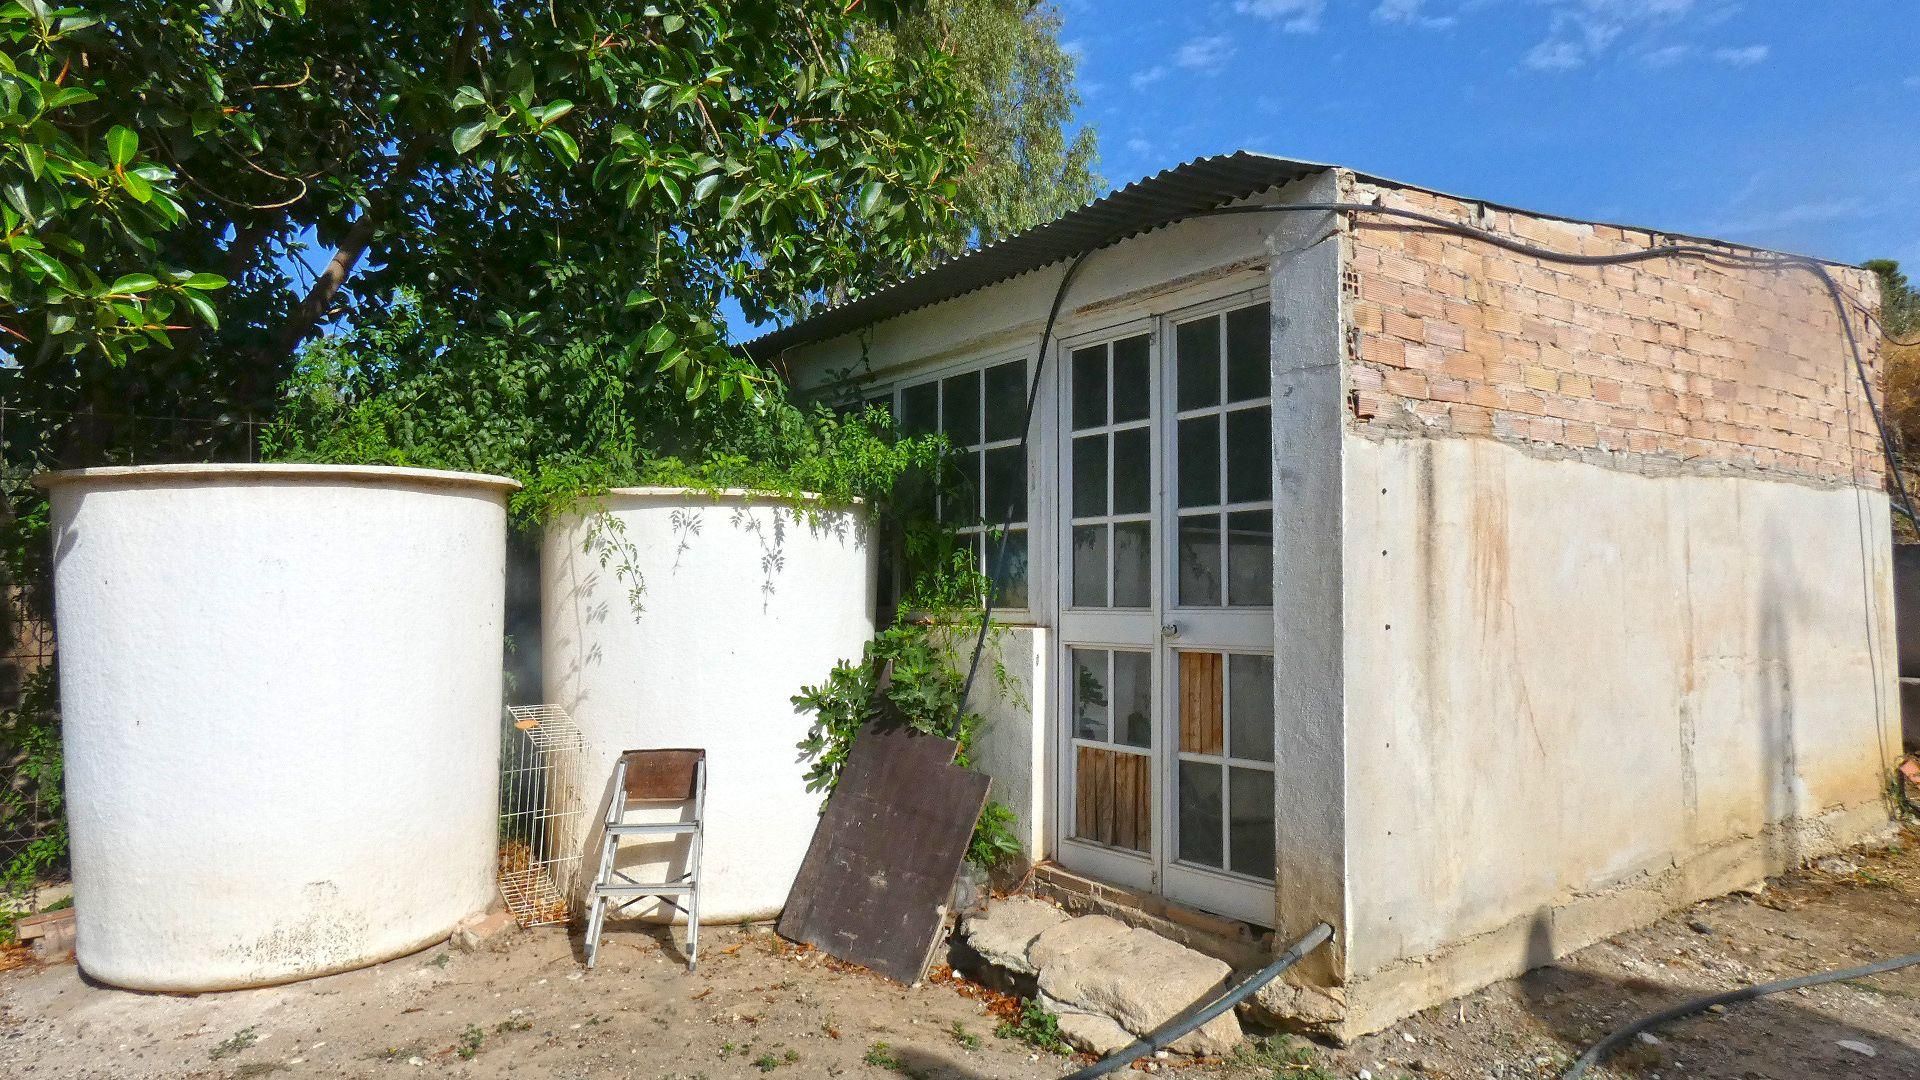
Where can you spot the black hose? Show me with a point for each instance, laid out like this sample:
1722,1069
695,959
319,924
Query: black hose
1619,1035
1168,1033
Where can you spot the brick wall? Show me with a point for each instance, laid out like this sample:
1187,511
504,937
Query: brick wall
1670,362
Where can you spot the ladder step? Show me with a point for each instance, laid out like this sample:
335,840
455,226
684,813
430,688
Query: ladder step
643,890
663,828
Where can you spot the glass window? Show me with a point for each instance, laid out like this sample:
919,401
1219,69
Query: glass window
1223,464
982,414
1111,474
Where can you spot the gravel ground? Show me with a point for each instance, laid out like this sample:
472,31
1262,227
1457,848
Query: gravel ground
759,1006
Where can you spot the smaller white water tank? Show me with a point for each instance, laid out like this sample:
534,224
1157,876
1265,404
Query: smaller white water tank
743,599
280,696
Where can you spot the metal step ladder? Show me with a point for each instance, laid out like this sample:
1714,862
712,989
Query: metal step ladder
651,777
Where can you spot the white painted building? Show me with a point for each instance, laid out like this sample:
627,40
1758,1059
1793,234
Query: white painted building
1477,603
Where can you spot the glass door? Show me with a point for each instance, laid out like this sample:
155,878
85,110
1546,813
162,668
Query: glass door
1219,624
1109,617
1166,610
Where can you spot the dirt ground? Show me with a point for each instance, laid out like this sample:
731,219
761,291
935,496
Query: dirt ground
759,1006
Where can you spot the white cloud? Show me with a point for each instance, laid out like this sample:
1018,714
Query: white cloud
1666,57
1794,215
1139,147
1410,13
1744,56
1582,31
1553,55
1140,80
1294,16
1911,82
1205,53
1074,48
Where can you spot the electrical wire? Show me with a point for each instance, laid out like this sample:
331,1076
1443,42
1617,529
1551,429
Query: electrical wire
1706,253
1169,1033
1621,1034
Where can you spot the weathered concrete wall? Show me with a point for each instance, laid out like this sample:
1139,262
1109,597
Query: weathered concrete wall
1616,591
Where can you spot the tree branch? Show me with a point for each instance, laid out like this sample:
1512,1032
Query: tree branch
306,315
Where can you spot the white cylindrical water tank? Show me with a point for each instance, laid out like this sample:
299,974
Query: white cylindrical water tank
280,697
684,619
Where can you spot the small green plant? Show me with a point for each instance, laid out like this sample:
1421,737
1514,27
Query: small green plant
767,1062
967,1039
1037,1026
881,1056
470,1042
1280,1058
512,1023
234,1043
728,1049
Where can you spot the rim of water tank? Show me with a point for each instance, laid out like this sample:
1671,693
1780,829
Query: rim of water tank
724,494
203,474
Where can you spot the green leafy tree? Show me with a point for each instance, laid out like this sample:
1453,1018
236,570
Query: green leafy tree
1899,300
555,172
1027,163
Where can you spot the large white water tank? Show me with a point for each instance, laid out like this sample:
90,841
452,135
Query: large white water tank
280,696
742,600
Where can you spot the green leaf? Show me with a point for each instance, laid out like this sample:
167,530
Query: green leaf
468,136
659,339
137,186
205,282
870,197
70,95
200,307
551,112
134,283
468,97
562,142
122,144
704,187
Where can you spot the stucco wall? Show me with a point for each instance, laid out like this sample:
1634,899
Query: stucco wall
1011,745
1616,594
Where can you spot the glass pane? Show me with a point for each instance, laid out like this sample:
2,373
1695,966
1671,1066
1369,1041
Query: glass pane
1249,456
1133,564
1090,566
1250,829
1250,705
1200,560
960,411
1011,581
1090,694
1090,476
1089,387
1132,380
920,409
960,498
1248,342
1199,454
1197,346
1133,699
1200,813
1006,404
1132,471
1250,558
1006,485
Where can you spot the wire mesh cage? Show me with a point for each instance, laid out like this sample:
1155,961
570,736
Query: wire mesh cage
541,811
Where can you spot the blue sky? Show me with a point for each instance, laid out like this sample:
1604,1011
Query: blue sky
1791,124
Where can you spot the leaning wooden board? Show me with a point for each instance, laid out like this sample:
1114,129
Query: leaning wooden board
875,883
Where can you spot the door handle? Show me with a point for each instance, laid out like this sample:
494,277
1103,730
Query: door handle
1170,630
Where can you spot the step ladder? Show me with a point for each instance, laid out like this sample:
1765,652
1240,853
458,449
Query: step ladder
651,777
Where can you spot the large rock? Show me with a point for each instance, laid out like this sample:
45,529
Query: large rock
1140,980
1006,930
1091,1032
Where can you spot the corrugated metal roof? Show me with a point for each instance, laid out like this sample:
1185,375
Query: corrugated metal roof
1141,206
